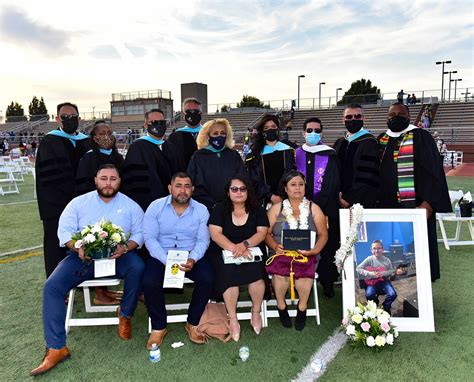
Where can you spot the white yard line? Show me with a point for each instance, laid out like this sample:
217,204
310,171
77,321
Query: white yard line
12,204
325,354
21,250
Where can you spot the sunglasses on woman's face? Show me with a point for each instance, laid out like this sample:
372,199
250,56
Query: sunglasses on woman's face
237,189
355,116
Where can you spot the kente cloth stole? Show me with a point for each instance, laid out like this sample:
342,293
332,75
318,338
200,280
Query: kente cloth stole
403,157
320,164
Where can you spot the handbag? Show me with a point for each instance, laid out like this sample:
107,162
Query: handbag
214,322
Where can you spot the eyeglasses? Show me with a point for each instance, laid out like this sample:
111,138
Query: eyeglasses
237,189
68,116
311,130
355,116
377,249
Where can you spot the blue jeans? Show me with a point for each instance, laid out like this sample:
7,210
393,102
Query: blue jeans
71,272
382,287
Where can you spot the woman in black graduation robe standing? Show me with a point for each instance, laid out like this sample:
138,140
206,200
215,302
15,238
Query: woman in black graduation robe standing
104,151
269,160
214,163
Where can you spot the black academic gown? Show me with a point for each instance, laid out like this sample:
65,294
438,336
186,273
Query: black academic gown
186,144
266,171
147,171
211,171
56,165
430,184
360,164
88,166
327,199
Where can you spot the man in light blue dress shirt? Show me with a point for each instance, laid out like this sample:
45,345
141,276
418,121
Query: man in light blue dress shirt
104,203
176,222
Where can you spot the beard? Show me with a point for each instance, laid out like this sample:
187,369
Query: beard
181,199
107,192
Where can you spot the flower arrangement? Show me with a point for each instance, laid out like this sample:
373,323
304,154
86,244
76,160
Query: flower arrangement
287,212
367,325
356,212
100,239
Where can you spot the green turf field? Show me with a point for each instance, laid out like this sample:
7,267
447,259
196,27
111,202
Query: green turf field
278,354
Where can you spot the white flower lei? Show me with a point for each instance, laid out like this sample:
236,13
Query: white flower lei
287,212
356,212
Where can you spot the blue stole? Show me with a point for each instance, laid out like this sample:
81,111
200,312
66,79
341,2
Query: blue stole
210,148
360,133
280,146
193,130
72,138
105,151
157,142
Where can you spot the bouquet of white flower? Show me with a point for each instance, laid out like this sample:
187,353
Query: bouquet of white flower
366,325
100,239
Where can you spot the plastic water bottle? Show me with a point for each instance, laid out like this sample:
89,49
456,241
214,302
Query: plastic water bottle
244,353
317,365
155,353
457,210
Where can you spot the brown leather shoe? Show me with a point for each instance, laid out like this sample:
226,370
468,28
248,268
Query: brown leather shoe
156,337
51,359
124,327
194,336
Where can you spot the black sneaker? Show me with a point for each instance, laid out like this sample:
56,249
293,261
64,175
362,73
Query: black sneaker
284,317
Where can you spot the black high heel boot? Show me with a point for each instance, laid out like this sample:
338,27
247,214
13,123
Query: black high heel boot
284,317
300,321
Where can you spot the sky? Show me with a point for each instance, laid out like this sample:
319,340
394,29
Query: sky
84,51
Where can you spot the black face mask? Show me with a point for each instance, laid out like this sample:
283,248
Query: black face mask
217,142
398,123
70,125
271,135
157,128
354,125
193,117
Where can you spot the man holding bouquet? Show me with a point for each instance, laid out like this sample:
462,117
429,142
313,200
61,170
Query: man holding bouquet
106,203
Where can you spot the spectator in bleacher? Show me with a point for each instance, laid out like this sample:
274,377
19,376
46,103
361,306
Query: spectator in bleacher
129,133
359,158
215,162
400,96
269,160
177,222
5,146
104,203
56,164
409,99
34,146
413,99
320,165
184,138
150,163
412,175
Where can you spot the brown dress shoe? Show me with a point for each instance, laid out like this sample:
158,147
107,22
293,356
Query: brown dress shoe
156,337
124,327
194,336
51,359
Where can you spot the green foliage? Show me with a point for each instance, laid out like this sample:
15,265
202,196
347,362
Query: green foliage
37,109
225,108
251,101
15,112
361,91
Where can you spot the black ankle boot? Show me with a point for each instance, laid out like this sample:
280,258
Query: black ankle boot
328,290
300,321
284,317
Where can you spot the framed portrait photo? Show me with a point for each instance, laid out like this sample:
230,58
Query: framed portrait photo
389,265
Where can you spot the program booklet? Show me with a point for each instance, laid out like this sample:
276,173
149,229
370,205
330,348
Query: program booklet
174,277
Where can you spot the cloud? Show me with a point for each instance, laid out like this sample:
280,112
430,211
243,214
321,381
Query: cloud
16,27
105,52
137,51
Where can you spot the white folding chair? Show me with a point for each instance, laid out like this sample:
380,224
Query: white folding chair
7,182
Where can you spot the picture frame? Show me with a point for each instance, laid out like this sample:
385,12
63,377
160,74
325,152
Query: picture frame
404,237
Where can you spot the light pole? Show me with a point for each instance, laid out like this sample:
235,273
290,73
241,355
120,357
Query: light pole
337,93
466,94
321,83
449,93
93,112
455,86
300,76
442,76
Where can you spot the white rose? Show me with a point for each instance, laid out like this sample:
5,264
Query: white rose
380,340
85,231
78,244
390,339
116,237
395,332
357,310
369,314
370,341
357,318
115,226
350,330
89,238
371,306
96,228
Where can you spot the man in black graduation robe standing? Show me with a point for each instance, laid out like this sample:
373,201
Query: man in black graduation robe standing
57,159
150,162
358,155
184,138
412,175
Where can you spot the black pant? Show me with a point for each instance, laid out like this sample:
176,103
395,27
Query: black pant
203,278
53,253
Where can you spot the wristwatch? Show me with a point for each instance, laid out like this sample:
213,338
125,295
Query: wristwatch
246,243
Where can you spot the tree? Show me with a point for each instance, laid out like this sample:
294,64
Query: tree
37,109
15,113
251,101
225,108
361,91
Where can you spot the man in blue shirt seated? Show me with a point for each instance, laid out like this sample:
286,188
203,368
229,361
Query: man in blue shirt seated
104,203
176,222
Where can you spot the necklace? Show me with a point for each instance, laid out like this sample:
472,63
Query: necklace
287,212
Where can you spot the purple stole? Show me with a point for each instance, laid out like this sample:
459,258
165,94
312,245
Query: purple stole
320,164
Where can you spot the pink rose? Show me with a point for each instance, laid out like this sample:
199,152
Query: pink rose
385,327
345,321
365,326
103,234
